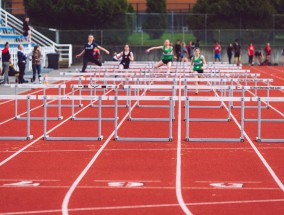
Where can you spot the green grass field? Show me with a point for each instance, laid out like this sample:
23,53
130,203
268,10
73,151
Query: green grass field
138,38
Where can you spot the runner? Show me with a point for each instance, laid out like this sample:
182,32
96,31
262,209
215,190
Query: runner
167,54
217,51
88,53
198,63
127,56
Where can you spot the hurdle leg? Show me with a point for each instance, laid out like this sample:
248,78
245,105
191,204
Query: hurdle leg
115,118
16,103
258,138
100,137
44,118
171,120
59,104
73,104
29,136
242,120
186,119
267,94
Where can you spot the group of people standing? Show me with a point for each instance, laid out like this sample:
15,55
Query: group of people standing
262,58
35,57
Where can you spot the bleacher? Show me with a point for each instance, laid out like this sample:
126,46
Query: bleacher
11,31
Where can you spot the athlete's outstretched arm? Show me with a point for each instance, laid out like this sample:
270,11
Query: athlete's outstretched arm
154,48
103,49
119,55
203,61
79,55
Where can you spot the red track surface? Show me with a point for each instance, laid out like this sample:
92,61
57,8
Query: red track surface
109,177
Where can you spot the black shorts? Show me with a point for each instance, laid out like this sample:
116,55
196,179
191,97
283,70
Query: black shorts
199,70
125,65
237,55
166,61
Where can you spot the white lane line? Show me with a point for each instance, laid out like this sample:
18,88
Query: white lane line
145,206
39,138
64,207
85,187
265,163
178,164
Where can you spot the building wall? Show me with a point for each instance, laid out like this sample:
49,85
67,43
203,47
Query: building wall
172,5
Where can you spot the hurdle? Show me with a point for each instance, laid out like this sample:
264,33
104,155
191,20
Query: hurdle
38,86
21,97
256,88
89,86
64,79
171,100
260,120
73,98
137,88
221,99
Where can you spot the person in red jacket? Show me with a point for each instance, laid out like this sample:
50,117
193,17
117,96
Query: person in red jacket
217,51
267,52
250,53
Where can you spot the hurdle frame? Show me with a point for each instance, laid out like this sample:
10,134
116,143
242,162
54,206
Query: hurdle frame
21,97
72,98
223,99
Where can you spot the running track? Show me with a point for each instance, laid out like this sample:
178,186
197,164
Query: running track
108,177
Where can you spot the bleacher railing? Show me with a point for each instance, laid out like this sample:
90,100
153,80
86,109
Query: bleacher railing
64,50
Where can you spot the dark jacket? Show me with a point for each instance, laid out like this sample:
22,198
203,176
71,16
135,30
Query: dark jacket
6,55
21,57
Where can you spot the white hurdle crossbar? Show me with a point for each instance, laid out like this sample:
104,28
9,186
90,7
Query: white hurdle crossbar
20,97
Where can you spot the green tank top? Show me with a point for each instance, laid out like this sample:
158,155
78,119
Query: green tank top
167,53
197,63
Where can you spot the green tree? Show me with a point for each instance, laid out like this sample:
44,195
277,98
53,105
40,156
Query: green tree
238,13
156,20
78,15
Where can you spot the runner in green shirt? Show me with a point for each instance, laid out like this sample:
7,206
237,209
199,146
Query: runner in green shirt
167,54
198,64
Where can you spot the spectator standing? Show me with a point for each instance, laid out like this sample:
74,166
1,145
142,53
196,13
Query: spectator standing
250,53
178,50
36,63
184,52
22,61
237,52
267,52
6,59
217,51
27,30
189,50
230,52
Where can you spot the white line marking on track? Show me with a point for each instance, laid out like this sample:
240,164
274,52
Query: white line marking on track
178,164
144,206
64,207
40,137
265,163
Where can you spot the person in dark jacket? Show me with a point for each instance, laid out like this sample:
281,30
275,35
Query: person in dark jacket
230,52
22,60
6,59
